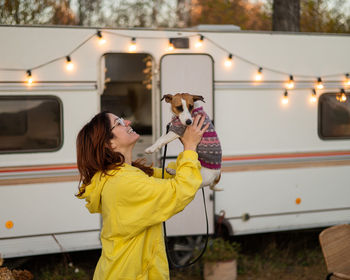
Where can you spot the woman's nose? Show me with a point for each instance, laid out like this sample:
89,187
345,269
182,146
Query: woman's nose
127,122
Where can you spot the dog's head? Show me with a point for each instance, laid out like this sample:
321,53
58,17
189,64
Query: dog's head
182,105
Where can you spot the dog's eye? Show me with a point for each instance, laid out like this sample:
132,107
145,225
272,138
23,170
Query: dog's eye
179,108
190,107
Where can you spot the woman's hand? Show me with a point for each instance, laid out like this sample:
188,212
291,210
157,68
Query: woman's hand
193,133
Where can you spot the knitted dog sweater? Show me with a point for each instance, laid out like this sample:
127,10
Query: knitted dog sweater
209,149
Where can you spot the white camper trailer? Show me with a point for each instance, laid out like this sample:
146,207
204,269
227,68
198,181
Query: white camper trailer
285,164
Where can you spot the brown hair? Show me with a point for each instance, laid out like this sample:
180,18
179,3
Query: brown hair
94,153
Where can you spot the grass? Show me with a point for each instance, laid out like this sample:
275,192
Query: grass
72,266
282,263
62,272
283,256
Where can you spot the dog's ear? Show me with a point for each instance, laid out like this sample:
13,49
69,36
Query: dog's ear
198,98
167,97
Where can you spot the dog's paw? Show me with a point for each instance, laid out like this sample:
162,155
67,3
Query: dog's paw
215,188
170,171
151,149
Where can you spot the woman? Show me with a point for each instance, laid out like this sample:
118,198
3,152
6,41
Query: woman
132,197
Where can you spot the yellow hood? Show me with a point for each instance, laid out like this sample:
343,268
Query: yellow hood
93,191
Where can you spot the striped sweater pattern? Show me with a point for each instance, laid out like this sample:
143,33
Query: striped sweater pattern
209,149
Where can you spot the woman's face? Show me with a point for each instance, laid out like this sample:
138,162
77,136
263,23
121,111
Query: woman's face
124,136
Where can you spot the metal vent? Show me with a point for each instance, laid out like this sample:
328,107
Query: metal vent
180,43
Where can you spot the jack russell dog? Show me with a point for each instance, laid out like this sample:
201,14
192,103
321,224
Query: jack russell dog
185,107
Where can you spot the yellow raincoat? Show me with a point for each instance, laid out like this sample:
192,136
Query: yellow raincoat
133,207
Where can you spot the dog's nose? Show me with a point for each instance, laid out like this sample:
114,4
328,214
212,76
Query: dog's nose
188,122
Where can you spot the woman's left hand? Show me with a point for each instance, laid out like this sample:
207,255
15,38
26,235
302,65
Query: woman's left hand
193,133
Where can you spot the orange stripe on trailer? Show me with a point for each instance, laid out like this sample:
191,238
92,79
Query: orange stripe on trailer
29,169
277,156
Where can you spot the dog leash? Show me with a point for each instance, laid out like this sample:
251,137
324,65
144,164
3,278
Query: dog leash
172,264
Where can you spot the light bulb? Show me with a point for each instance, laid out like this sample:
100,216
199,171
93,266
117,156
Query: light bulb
319,84
132,46
285,98
228,61
258,75
101,40
199,43
170,46
313,97
29,77
347,80
69,64
341,97
290,84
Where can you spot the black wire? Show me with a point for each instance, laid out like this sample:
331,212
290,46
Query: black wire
171,262
51,61
83,43
47,63
267,68
165,150
189,36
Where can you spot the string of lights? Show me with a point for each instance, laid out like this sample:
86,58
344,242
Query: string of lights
289,85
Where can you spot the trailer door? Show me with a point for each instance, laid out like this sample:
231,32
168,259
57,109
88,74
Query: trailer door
191,73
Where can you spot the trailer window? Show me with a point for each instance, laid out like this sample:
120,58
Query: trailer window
334,116
128,89
30,124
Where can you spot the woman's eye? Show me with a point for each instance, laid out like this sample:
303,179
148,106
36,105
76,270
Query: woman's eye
179,108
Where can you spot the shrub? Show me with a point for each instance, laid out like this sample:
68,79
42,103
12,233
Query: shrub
221,250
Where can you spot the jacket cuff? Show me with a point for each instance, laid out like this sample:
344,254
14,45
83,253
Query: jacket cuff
189,154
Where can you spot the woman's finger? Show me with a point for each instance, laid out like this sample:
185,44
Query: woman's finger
201,121
204,129
196,120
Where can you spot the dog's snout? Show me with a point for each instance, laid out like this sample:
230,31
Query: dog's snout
188,122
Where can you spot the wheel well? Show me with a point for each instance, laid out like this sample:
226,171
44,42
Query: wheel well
223,227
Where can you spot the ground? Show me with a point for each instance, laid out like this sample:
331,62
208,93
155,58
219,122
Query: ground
282,256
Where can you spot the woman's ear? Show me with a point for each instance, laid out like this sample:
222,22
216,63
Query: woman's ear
112,145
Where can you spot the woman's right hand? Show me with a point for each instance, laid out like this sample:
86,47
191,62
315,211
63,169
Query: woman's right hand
193,133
